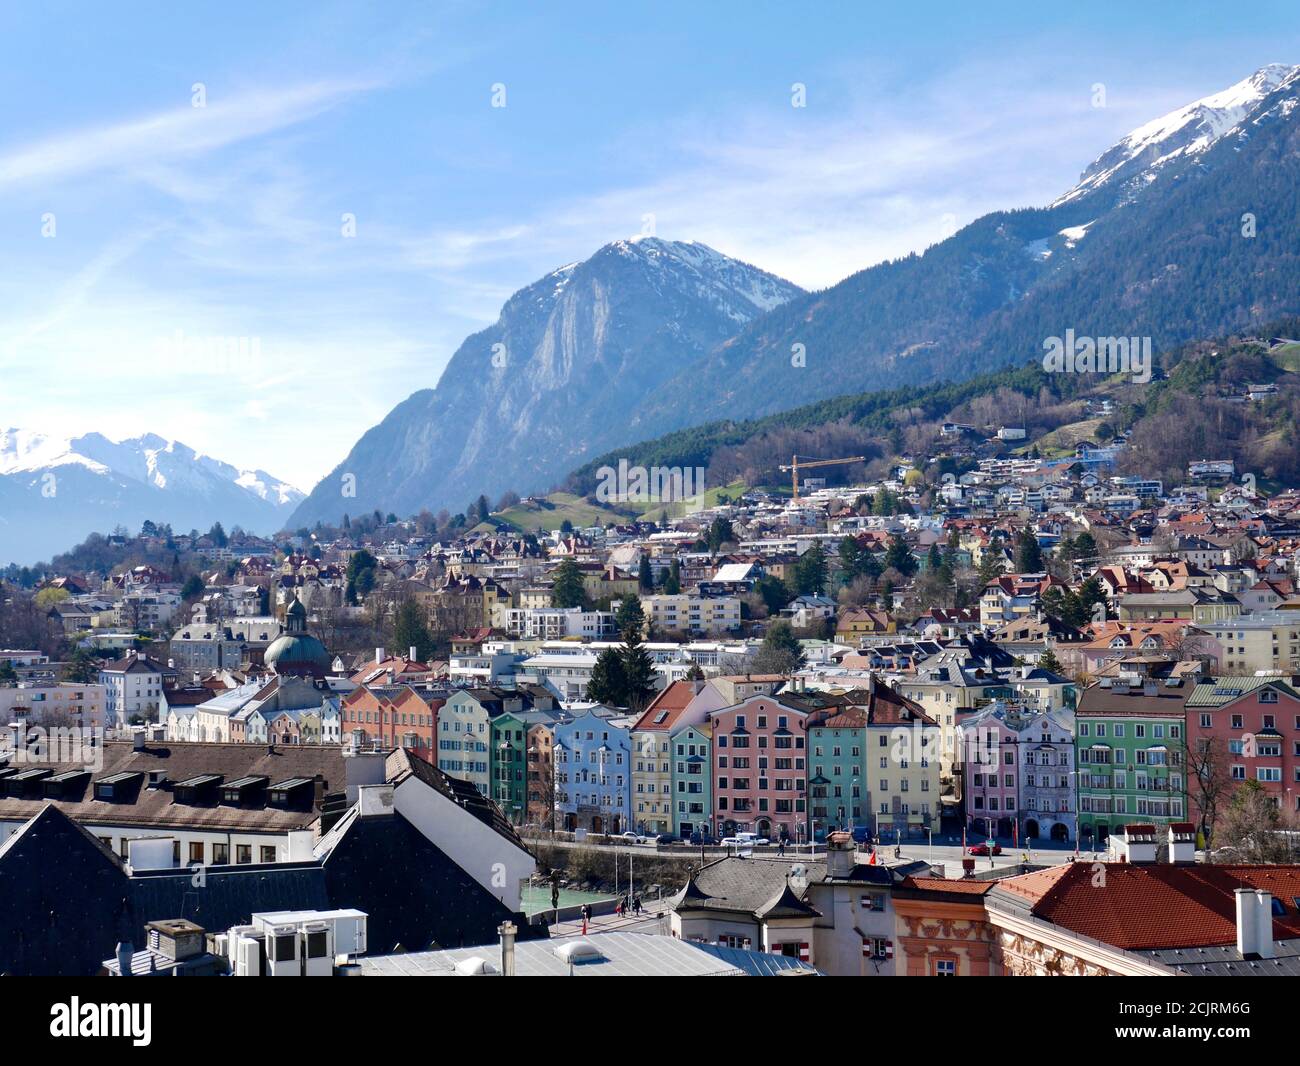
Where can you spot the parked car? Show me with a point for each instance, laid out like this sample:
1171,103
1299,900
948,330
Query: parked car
667,838
632,838
983,849
705,839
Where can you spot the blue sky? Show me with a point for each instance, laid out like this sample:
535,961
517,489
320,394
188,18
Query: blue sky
225,220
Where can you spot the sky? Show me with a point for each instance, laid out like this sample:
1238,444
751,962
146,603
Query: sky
341,187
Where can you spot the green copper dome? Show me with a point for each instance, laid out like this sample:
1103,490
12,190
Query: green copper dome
297,652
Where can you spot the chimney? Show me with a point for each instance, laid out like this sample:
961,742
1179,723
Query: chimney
410,655
1182,843
839,855
1135,844
125,952
507,931
379,654
1149,687
137,739
1254,923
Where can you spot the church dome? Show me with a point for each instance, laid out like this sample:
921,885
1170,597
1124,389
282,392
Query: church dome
296,652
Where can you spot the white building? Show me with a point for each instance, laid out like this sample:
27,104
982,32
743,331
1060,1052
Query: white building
133,690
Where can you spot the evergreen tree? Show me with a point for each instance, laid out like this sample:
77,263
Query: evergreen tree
810,571
720,533
773,592
639,675
1049,661
673,583
850,559
1091,594
645,577
1029,555
630,618
781,652
899,557
608,684
567,589
411,630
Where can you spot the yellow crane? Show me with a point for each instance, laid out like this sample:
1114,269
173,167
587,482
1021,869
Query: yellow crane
797,464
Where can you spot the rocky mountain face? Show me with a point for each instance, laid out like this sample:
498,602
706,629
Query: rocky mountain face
1187,227
555,379
56,490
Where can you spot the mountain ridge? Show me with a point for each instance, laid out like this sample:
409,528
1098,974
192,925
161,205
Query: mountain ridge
515,408
65,487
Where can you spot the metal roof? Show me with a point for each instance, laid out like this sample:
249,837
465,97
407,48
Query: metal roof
616,955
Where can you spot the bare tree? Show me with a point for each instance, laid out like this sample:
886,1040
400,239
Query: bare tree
1254,829
1209,780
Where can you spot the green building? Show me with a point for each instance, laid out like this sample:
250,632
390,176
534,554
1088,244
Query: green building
837,779
509,763
692,762
1130,755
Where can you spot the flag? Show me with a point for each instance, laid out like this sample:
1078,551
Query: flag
1015,834
872,862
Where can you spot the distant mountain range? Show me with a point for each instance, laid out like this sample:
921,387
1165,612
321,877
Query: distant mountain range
1185,228
56,490
556,379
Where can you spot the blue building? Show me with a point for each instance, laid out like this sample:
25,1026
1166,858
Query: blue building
593,771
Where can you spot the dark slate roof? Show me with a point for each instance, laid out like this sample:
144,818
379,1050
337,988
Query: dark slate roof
442,906
1226,961
743,885
401,764
66,901
179,762
785,904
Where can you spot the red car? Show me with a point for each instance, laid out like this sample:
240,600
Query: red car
983,849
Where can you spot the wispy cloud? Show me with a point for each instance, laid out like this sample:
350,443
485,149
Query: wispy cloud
175,134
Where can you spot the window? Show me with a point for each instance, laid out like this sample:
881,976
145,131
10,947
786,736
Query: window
220,854
945,967
196,851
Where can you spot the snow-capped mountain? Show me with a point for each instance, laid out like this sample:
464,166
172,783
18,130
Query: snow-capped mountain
554,380
56,490
1185,228
1139,158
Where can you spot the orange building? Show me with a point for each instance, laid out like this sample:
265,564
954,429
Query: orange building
943,929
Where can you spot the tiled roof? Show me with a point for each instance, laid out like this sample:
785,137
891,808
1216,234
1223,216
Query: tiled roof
1140,907
965,886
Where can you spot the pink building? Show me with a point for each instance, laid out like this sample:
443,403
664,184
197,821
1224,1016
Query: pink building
760,774
1251,727
991,770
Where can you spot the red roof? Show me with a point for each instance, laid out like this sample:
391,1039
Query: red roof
1141,907
668,706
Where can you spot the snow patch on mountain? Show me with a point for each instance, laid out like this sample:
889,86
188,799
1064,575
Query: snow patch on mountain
1187,131
96,483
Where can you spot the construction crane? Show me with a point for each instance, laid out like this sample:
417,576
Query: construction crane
797,464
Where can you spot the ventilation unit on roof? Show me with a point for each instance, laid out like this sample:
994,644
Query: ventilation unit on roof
577,951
